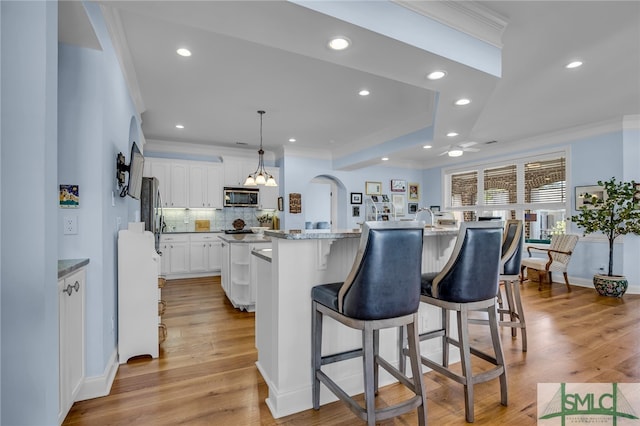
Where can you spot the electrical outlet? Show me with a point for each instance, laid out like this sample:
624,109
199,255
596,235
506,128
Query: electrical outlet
70,225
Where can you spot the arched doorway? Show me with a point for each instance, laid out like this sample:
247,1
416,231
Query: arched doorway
322,203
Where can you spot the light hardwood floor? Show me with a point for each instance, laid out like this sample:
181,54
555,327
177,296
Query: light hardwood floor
206,373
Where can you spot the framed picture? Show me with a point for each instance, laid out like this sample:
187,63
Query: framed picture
398,203
435,209
589,196
295,202
414,192
385,198
280,203
398,185
356,198
384,217
373,188
413,208
374,198
355,211
69,196
637,194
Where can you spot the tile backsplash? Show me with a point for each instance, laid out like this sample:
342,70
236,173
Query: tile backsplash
184,220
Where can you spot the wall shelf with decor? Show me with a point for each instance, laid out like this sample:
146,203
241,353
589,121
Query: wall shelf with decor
379,207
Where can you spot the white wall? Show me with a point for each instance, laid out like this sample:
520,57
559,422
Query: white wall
28,273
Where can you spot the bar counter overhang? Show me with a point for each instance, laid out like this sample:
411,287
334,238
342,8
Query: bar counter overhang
285,274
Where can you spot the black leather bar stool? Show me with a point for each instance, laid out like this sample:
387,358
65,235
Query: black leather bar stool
512,247
468,282
381,291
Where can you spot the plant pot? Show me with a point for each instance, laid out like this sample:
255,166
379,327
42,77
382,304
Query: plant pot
614,286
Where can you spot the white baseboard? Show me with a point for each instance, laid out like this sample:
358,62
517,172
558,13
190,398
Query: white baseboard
97,386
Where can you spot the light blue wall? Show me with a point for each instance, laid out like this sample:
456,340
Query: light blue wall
28,273
97,120
591,159
299,171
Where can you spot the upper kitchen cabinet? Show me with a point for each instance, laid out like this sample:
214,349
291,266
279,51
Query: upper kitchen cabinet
172,177
269,194
236,170
205,185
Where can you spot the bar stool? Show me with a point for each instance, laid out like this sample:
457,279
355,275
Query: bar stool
512,247
381,291
468,282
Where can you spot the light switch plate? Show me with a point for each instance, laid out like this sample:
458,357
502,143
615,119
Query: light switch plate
70,225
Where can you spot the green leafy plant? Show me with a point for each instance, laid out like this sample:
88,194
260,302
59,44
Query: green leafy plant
618,214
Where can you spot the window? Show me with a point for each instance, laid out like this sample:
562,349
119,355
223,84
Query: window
533,189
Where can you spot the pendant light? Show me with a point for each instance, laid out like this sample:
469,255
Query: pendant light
260,176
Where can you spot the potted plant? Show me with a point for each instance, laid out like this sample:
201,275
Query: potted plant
615,214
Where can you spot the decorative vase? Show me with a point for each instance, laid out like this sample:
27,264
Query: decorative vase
614,286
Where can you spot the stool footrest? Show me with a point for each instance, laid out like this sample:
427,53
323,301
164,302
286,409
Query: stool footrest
341,356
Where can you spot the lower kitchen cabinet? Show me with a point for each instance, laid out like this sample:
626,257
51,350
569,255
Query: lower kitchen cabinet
204,253
187,255
71,303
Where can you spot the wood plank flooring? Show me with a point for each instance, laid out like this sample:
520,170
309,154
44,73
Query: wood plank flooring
206,373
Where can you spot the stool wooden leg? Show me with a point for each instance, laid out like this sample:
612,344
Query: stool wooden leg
465,361
521,320
402,364
316,352
497,348
376,352
445,339
368,364
512,314
413,339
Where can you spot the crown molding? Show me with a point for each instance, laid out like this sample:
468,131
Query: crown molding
465,16
114,25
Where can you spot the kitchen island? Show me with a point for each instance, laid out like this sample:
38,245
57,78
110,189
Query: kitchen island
238,271
285,275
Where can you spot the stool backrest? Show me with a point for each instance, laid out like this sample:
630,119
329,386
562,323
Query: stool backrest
384,281
472,272
512,246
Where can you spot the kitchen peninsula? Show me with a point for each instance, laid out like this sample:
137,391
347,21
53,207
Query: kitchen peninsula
285,275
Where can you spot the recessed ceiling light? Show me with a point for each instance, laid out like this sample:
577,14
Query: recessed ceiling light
427,146
463,101
179,126
292,140
574,64
363,92
339,43
436,75
452,134
385,158
183,52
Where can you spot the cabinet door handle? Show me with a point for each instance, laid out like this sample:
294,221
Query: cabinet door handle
76,286
68,290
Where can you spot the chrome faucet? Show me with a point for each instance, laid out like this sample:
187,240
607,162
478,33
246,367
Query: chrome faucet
425,209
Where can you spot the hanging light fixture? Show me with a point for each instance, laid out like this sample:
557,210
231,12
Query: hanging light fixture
260,176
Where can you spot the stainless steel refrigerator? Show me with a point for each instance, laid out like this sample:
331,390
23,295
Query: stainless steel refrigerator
151,208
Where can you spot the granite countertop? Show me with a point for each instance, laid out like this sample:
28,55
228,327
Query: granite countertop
244,238
315,234
213,231
67,266
264,253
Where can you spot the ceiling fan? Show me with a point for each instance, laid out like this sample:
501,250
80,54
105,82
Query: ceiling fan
456,150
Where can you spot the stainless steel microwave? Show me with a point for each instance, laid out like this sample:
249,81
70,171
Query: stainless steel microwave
241,197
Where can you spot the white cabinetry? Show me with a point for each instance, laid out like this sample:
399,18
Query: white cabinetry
137,293
71,290
190,255
205,253
238,279
236,170
175,254
269,194
172,177
205,185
